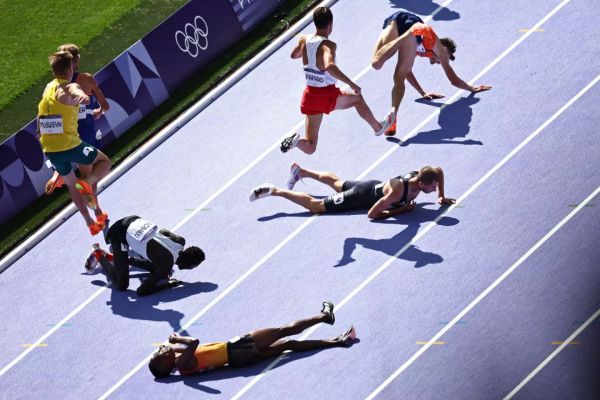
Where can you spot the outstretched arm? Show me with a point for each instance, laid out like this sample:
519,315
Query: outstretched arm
330,66
412,79
454,79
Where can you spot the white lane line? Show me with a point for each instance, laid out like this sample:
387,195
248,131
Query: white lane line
281,244
310,220
140,154
552,355
163,135
434,222
481,296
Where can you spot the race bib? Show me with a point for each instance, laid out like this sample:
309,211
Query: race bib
82,112
338,198
51,124
140,229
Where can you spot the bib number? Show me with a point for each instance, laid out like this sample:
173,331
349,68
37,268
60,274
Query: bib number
338,198
51,124
140,229
82,112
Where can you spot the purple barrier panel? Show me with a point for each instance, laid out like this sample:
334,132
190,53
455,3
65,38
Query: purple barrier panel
251,12
134,84
193,36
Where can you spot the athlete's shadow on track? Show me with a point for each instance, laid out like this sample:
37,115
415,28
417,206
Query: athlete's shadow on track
426,7
454,121
393,245
129,305
199,381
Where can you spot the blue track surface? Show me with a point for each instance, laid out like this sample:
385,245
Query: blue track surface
293,261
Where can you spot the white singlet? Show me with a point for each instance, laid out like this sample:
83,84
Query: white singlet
314,76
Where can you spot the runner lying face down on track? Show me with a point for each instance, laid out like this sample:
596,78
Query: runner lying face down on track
406,34
321,95
382,199
156,251
189,357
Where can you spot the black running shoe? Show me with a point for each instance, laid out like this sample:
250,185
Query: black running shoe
289,142
347,338
328,311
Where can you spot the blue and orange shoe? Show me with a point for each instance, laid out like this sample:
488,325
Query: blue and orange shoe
95,228
102,218
53,183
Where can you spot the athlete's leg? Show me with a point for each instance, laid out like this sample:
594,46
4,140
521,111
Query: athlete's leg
406,58
309,143
117,271
328,178
85,171
305,200
266,337
99,168
381,54
70,181
357,101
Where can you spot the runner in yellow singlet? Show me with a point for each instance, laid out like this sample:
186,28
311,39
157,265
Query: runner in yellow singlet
57,130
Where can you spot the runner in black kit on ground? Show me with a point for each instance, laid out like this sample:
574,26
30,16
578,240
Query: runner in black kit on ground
382,199
158,249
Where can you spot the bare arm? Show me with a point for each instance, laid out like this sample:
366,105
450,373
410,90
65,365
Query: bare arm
297,51
412,79
187,360
454,79
93,85
442,199
77,94
380,210
330,66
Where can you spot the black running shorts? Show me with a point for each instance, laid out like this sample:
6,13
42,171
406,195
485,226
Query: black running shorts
242,351
355,195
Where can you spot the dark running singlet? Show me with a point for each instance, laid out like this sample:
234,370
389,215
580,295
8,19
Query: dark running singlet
362,195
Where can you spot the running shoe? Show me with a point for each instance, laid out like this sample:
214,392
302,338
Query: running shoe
88,194
92,261
294,176
261,191
386,123
102,218
348,337
53,183
289,142
392,130
328,311
95,228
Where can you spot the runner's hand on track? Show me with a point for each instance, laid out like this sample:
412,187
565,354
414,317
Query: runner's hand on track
433,96
481,88
446,201
173,337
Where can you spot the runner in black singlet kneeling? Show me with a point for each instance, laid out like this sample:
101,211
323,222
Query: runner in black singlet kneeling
381,199
158,250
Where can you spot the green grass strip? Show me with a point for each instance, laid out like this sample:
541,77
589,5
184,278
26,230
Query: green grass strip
31,30
30,219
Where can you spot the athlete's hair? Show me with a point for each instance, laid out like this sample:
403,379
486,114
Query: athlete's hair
190,258
60,62
450,45
427,175
71,48
322,17
158,366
